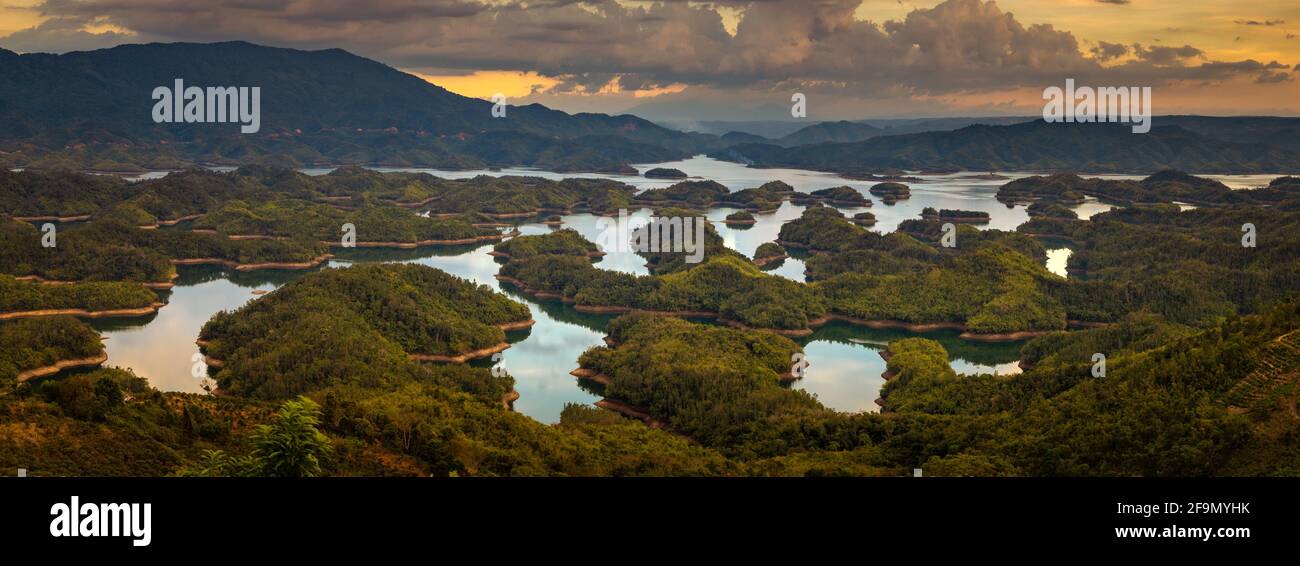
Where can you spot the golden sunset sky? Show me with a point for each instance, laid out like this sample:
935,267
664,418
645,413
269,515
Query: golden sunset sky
732,59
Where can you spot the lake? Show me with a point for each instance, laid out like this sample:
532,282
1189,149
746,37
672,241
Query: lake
845,363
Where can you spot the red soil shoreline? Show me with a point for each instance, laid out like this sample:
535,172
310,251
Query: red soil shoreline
150,284
455,359
83,313
630,411
812,324
61,365
253,266
761,261
52,218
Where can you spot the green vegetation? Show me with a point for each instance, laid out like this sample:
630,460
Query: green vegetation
527,196
27,344
1039,146
842,195
108,422
695,194
890,192
665,173
1164,187
291,445
719,399
1189,267
729,286
1135,333
706,194
336,323
915,366
740,217
560,242
314,222
822,228
769,250
663,262
989,290
82,253
190,193
968,216
21,296
34,193
1172,403
864,219
1049,209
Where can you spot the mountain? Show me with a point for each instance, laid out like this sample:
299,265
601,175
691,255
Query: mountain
897,126
327,106
1277,131
822,132
771,129
1034,145
733,138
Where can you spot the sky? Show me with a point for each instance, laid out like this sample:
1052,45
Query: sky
744,60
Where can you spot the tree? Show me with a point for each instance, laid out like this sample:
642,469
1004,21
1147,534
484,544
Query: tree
291,445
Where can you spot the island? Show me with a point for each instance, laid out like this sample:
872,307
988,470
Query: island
665,173
839,196
890,192
769,253
741,218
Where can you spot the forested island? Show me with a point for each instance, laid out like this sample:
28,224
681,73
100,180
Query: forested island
36,347
1167,186
380,315
839,196
664,173
419,418
890,192
370,363
708,194
950,215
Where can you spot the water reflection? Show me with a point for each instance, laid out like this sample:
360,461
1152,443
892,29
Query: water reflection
846,364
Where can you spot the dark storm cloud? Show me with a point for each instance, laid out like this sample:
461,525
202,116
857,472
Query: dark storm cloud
816,45
1105,51
1260,22
1165,54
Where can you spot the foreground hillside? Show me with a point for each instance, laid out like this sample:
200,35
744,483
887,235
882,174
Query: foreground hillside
1220,401
366,366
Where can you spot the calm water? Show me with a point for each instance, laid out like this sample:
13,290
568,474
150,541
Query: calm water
845,362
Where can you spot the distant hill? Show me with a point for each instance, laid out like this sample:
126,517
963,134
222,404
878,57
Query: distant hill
93,109
822,132
1275,131
771,129
777,129
896,126
1036,145
733,138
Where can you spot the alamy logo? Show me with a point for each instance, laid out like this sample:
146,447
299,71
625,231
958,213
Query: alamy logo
76,519
1102,104
242,105
653,235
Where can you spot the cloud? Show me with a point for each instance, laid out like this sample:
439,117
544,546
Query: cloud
1260,22
1105,51
1165,54
1120,2
61,35
955,48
